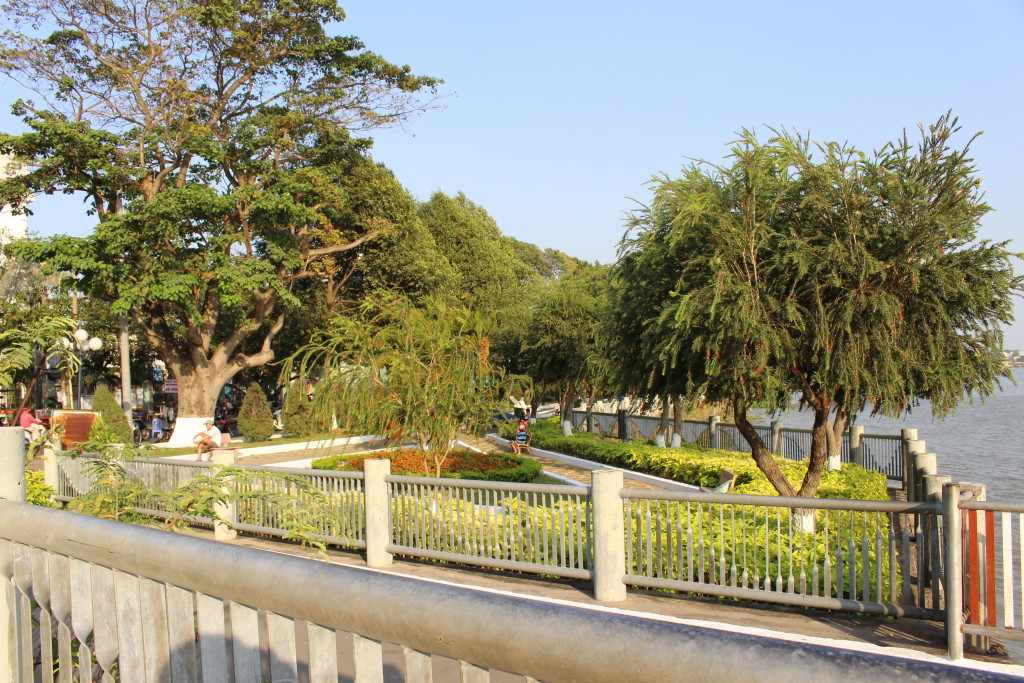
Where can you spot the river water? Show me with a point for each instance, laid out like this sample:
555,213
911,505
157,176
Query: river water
980,442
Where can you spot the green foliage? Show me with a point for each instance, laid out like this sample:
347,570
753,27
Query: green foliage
221,188
36,490
850,280
25,350
255,421
114,421
406,372
700,466
297,413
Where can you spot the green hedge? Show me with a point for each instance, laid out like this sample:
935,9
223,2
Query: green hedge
700,466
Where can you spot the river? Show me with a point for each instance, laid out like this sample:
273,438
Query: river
980,442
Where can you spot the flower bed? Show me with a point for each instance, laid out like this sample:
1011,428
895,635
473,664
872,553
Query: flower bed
460,464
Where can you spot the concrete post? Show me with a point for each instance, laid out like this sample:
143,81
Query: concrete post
856,449
713,430
906,436
776,445
51,473
12,463
913,448
378,512
951,522
227,513
924,465
609,536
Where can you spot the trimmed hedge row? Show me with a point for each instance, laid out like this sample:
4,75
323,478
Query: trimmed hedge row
700,466
524,470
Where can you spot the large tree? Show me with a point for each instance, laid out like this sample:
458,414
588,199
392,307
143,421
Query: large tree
852,280
211,140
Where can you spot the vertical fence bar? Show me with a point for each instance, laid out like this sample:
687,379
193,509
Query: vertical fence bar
951,521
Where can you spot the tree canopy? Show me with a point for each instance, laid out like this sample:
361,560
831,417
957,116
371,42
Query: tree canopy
212,141
849,279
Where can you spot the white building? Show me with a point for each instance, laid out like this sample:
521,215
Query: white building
12,226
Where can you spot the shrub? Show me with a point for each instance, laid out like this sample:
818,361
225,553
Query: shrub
297,415
461,464
36,490
255,421
104,402
700,466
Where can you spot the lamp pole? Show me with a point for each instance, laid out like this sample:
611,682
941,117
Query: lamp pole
84,343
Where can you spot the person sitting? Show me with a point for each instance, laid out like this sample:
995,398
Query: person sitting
521,440
32,426
206,440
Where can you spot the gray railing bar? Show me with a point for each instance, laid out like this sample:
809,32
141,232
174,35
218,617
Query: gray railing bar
530,567
783,501
993,631
991,507
778,597
499,631
557,489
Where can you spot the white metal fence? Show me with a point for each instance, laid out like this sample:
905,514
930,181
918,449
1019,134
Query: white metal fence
83,598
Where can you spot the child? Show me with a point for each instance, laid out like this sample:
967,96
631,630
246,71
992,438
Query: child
522,438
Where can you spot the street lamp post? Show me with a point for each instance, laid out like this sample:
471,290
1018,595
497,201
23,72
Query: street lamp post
84,343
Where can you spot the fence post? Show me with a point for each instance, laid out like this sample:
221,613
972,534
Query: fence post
609,535
623,427
378,512
51,472
906,436
913,448
227,513
713,430
776,446
954,571
924,465
856,448
12,463
933,484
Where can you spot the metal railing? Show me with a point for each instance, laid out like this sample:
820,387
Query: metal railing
856,555
83,598
993,576
829,554
525,527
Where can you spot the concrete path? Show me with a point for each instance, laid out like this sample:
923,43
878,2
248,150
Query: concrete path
900,637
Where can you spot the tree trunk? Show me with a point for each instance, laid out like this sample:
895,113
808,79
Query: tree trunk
677,416
666,413
819,448
198,390
762,455
835,440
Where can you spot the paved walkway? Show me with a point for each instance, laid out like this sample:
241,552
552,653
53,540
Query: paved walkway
910,637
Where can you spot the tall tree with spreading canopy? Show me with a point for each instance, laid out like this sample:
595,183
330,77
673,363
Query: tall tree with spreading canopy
212,142
849,279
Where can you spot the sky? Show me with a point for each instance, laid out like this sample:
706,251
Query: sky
556,114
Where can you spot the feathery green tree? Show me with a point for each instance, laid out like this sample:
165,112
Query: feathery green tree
851,280
406,373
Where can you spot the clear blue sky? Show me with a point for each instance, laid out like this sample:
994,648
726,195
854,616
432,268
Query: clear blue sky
560,111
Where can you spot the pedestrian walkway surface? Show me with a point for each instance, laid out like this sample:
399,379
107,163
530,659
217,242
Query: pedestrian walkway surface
898,637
